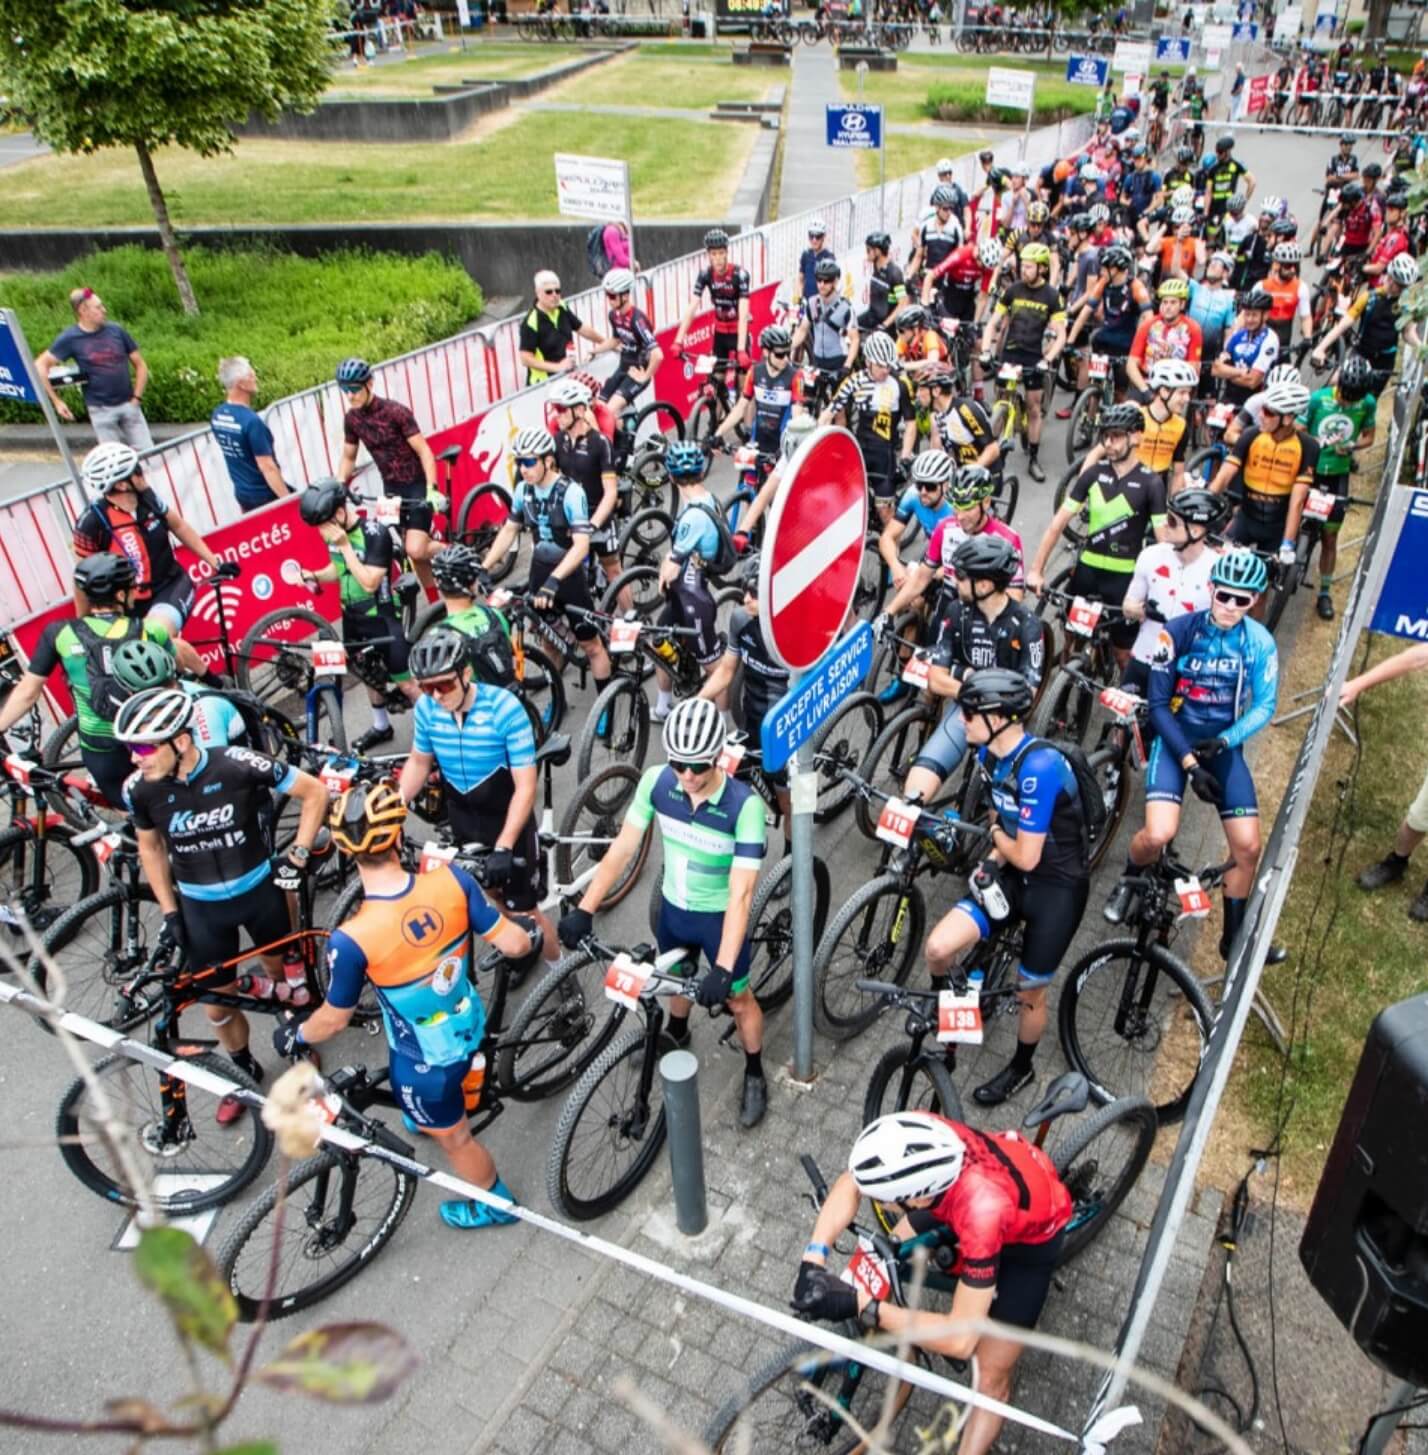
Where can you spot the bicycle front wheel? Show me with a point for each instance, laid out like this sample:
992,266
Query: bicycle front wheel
1099,1161
484,511
616,730
911,1079
98,945
1065,708
275,656
843,742
609,1134
590,825
890,759
1135,1022
771,931
875,936
41,876
338,1214
645,539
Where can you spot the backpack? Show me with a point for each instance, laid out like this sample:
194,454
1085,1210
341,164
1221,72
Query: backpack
595,250
251,710
106,696
492,658
728,557
1093,802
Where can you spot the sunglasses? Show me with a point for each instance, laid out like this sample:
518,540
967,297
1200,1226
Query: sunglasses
1234,598
143,750
695,768
933,489
550,290
778,353
438,686
817,236
527,462
351,388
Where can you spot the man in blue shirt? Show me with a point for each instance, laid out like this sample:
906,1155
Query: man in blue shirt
105,352
246,442
925,501
810,257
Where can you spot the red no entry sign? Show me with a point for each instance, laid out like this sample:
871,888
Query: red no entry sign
813,548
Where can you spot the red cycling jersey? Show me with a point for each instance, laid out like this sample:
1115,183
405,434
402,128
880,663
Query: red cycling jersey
1008,1193
961,268
1393,242
1155,340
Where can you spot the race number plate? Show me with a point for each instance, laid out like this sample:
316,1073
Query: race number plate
20,768
1122,705
1083,616
1009,373
329,659
1100,366
745,457
1194,901
950,326
625,981
896,823
705,364
105,848
915,673
499,599
624,635
959,1018
389,509
1319,505
731,757
867,1271
336,776
1221,415
434,855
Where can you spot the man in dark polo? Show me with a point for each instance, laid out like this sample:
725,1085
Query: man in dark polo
246,441
548,330
106,352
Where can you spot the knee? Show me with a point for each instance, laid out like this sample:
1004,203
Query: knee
1156,836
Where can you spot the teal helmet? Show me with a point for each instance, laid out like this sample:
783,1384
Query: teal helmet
1240,571
140,664
686,461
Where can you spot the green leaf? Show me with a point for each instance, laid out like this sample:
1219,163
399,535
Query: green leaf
249,1447
171,1264
343,1364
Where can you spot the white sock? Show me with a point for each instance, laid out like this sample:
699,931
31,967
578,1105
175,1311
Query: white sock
664,701
380,720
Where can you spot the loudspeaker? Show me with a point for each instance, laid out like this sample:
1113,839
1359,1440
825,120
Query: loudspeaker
1365,1246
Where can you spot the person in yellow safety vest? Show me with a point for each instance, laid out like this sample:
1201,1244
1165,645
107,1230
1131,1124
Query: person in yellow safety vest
548,331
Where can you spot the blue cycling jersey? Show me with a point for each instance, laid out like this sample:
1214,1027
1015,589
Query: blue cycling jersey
1253,350
1044,799
1209,682
1138,189
1214,310
928,516
695,533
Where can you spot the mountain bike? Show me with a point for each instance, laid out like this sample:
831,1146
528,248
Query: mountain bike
1099,394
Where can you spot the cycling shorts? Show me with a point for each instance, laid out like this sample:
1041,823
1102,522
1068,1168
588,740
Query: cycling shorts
574,590
622,384
109,767
884,486
1165,778
1050,911
958,303
1114,344
212,925
1033,369
691,605
525,888
1024,1272
1250,530
430,1096
1337,486
171,602
384,628
947,746
700,929
1110,587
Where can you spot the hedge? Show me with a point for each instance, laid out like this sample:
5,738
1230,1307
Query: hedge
295,318
967,101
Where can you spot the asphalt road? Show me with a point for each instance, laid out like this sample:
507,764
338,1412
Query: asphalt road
78,1329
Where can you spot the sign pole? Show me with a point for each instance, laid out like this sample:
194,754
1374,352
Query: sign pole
803,795
11,322
629,213
1030,112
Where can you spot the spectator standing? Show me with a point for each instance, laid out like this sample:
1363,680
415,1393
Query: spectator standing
548,330
246,442
618,251
106,352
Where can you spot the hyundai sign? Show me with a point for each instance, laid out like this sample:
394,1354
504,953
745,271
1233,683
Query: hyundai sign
855,125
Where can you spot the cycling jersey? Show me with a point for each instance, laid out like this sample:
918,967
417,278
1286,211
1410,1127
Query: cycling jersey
923,345
585,459
965,430
1029,311
701,845
876,410
416,949
1337,425
1214,310
808,261
827,323
1221,182
1291,297
1155,339
765,681
143,537
725,291
1388,247
1119,309
477,751
636,337
553,513
773,395
372,544
1120,511
1163,441
911,506
1171,586
1138,189
964,641
211,820
1177,250
217,723
1042,799
1377,335
943,542
696,536
1359,223
385,426
937,239
1270,468
1246,350
886,289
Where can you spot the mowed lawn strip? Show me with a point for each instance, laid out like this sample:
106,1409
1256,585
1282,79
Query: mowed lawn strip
910,154
949,91
688,83
418,77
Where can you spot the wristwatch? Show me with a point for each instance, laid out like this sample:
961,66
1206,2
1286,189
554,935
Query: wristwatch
298,854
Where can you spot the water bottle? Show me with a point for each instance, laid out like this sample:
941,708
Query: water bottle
975,980
473,1083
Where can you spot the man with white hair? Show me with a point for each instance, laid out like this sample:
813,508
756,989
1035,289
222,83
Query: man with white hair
548,330
246,442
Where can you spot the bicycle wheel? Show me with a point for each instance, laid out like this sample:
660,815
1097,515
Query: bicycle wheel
1065,708
368,1010
1003,502
890,759
875,936
61,755
1283,583
659,418
609,1134
1081,432
616,730
771,931
703,421
89,944
1204,465
1135,1022
275,655
41,877
592,819
483,512
873,581
777,1411
539,682
329,727
642,582
843,742
1099,1161
222,1160
338,1214
907,1079
646,538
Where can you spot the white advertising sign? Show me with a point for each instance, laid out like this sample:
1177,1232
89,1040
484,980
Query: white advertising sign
597,187
1132,55
1218,37
1011,88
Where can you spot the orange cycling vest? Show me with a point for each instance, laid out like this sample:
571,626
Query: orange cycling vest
1285,293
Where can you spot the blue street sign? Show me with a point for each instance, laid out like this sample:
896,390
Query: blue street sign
14,366
1173,49
1244,31
1402,608
855,125
1087,70
803,709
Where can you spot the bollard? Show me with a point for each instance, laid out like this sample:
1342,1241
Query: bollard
679,1073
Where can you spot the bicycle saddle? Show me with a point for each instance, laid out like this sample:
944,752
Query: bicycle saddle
450,454
555,751
1068,1093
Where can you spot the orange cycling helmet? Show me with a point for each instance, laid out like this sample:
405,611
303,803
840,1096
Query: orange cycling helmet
367,819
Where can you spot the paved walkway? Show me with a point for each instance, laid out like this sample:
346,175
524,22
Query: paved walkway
20,147
813,172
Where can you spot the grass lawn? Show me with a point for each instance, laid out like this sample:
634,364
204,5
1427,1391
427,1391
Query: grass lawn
417,77
959,90
688,49
678,169
910,154
695,83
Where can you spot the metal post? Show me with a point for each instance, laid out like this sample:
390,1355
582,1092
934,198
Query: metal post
1030,112
1381,1431
679,1073
803,793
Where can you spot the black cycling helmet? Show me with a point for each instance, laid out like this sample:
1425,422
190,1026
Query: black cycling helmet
716,237
880,242
1225,143
140,664
1374,170
1396,197
1285,227
442,651
1200,506
456,569
102,577
1256,298
1346,138
986,557
1116,257
913,316
997,178
1353,194
1121,419
1355,378
1185,155
1080,222
321,501
998,690
827,268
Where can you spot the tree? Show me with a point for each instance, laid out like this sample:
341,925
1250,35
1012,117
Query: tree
88,74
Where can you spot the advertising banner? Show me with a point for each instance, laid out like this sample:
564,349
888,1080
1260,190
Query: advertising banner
597,187
1402,609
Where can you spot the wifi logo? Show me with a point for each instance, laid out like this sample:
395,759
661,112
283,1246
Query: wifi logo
207,609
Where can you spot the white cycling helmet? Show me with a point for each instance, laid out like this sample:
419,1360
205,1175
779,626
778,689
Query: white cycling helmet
1282,374
618,280
1100,213
108,465
1286,398
694,732
1272,205
1020,169
155,716
535,442
906,1154
570,392
1288,252
989,252
878,348
1173,374
817,227
1224,260
1182,216
1183,197
1092,173
1403,269
944,165
933,467
795,432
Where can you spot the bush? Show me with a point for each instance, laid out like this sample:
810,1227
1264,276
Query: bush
295,318
966,101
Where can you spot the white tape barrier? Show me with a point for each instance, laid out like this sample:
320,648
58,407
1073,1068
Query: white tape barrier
112,1040
1297,130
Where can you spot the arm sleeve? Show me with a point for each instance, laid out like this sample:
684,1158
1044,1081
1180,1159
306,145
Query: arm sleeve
515,727
45,658
577,508
421,727
1155,491
1081,486
1042,776
130,346
933,555
1309,459
1139,588
349,434
642,330
1142,332
376,546
1162,684
641,809
1032,661
1262,669
484,917
63,346
1197,341
407,421
346,971
259,437
528,339
750,830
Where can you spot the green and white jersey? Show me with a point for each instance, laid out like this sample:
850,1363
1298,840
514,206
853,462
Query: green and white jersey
1336,426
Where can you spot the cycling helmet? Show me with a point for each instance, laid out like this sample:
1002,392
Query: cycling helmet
140,664
528,442
1183,197
102,577
1403,269
1346,138
589,381
1173,288
1240,571
1288,252
1200,506
913,316
321,501
1173,374
827,268
694,732
1285,228
1185,155
1225,260
1286,399
817,227
997,178
1352,194
748,573
906,1154
944,165
1038,212
1080,222
1281,373
367,818
944,197
1257,299
1225,144
989,252
567,393
1355,378
1182,216
716,237
442,651
795,432
1121,419
878,348
1236,205
933,467
971,486
1397,196
1274,205
1140,150
353,373
1117,257
685,461
155,716
1037,253
880,242
108,465
1099,213
1373,171
940,377
775,339
1021,169
617,281
456,569
998,690
986,557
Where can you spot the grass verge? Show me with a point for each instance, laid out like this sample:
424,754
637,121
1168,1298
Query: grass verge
417,77
688,83
910,154
293,317
947,92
